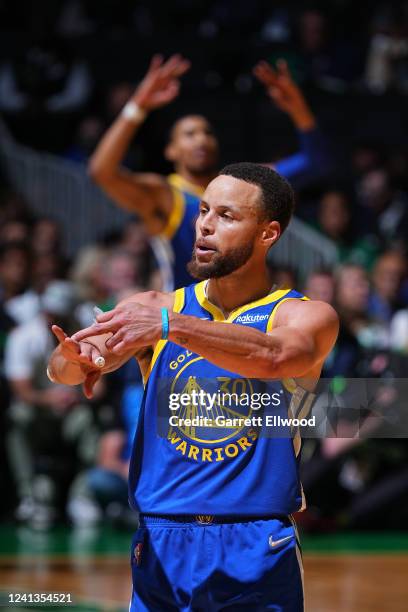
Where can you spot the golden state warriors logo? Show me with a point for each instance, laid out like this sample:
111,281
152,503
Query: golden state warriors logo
208,407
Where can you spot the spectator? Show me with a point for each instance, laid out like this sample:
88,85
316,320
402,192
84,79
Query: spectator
324,58
399,331
46,430
335,220
46,237
25,305
88,276
389,271
320,286
351,300
120,272
387,58
387,206
343,359
14,271
16,230
44,269
12,208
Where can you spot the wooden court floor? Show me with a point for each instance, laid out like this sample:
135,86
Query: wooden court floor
99,578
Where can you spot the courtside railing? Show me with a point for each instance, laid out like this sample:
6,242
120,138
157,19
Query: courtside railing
303,249
61,189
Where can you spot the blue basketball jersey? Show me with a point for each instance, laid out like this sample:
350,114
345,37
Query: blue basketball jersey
180,229
193,466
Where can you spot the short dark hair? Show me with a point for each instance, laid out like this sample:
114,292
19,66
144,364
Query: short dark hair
277,200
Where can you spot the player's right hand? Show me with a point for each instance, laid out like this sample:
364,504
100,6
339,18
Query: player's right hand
286,94
162,82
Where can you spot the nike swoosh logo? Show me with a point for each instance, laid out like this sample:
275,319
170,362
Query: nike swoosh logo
273,543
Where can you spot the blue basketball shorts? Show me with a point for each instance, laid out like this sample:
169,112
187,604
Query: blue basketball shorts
188,566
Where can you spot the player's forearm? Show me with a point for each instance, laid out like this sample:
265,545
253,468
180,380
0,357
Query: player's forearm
303,118
112,148
243,350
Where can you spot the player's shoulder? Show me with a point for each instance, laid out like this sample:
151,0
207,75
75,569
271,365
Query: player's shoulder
306,312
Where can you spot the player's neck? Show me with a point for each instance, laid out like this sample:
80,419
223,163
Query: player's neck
239,288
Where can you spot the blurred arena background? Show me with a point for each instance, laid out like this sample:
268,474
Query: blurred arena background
66,70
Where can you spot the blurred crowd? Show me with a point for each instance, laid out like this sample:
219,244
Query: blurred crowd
66,458
79,59
52,436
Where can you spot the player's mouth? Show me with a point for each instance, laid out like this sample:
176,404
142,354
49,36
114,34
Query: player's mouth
201,154
204,250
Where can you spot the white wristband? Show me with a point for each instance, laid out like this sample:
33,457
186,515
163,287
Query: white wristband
133,112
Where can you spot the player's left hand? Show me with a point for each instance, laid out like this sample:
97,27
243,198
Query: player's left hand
83,354
285,93
132,326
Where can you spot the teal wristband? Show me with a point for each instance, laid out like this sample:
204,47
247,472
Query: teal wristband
165,323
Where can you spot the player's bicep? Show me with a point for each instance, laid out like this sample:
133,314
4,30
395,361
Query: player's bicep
305,332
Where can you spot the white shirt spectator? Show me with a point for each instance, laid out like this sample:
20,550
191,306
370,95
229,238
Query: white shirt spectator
22,308
28,348
399,331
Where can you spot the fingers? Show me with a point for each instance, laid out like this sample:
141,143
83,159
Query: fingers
120,347
283,68
73,346
174,68
94,330
89,383
155,62
168,94
183,66
115,339
265,73
59,333
275,93
122,341
91,355
281,77
105,316
97,359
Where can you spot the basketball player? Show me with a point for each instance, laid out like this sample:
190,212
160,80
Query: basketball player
168,206
215,502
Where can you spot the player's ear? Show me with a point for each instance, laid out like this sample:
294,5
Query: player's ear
271,233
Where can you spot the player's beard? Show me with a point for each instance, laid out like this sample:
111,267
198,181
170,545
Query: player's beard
221,264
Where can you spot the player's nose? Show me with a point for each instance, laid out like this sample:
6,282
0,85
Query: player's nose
207,225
